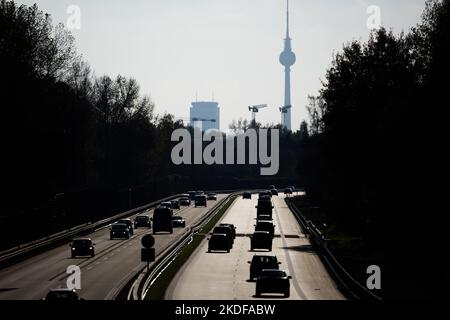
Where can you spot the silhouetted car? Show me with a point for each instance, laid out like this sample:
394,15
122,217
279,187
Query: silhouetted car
288,191
260,263
265,194
119,231
212,196
265,226
261,240
162,220
142,222
231,226
264,207
166,204
82,247
200,201
272,187
185,201
226,230
176,204
192,194
264,217
128,223
178,222
62,295
247,195
273,281
219,242
274,192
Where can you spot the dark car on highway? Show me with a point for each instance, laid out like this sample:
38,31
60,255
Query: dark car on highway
288,191
265,194
82,247
219,242
142,222
264,207
200,201
192,194
185,201
265,226
226,230
119,231
273,281
231,226
259,263
261,240
63,294
247,195
178,222
212,196
176,204
128,223
274,192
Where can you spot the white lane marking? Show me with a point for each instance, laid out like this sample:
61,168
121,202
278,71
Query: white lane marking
288,258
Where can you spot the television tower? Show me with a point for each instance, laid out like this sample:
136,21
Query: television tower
287,59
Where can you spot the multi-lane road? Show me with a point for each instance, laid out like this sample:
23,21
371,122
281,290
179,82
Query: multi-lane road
222,276
102,277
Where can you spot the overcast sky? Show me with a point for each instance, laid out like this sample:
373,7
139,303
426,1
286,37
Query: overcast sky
177,48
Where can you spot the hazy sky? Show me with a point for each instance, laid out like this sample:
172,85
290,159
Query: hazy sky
175,48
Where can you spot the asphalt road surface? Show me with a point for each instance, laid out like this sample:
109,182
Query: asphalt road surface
222,276
102,276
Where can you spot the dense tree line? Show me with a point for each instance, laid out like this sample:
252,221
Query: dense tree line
368,154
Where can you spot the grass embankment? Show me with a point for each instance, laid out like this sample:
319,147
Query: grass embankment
345,241
159,287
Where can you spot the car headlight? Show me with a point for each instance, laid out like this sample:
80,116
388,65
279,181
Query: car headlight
73,248
90,248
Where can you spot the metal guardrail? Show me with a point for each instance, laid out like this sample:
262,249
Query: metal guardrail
345,280
142,283
28,249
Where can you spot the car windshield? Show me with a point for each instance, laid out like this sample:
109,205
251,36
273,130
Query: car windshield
261,234
119,227
264,226
62,295
142,218
273,273
123,221
82,243
268,260
222,230
177,218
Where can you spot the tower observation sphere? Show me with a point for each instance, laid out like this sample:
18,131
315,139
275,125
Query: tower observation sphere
288,58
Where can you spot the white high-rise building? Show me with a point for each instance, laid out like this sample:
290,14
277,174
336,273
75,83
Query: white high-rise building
205,115
287,59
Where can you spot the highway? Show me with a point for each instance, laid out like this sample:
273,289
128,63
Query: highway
102,276
222,276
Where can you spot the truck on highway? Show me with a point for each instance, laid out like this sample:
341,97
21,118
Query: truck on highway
162,220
